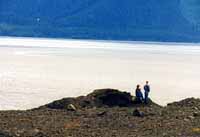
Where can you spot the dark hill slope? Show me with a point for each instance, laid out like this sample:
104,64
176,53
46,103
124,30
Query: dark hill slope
104,113
151,20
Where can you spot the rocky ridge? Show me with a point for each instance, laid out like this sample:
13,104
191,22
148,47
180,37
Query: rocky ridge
104,113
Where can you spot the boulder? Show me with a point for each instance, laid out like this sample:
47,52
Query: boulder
102,113
196,114
71,107
138,113
190,117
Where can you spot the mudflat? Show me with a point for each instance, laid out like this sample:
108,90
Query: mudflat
34,72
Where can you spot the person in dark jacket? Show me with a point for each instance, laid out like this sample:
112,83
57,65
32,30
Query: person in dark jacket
146,92
138,94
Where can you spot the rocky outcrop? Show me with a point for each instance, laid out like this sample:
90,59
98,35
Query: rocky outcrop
111,98
98,98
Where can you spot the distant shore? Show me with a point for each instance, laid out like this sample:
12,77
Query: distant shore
107,41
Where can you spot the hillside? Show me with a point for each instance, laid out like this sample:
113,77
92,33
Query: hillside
142,20
97,115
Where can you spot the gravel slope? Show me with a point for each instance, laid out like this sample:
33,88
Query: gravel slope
178,119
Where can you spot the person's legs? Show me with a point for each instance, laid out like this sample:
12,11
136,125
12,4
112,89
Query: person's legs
141,99
138,100
146,98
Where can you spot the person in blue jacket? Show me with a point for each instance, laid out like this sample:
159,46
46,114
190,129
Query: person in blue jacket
146,92
138,94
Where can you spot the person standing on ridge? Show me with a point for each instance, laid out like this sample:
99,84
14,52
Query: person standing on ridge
146,92
138,94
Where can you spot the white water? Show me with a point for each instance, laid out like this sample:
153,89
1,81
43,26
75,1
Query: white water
34,72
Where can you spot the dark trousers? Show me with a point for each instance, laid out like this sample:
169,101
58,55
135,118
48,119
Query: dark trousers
139,100
146,95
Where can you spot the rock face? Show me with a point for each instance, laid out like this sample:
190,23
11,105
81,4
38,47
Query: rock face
98,98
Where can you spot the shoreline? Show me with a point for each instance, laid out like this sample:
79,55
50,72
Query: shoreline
106,41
